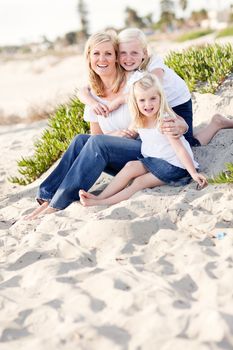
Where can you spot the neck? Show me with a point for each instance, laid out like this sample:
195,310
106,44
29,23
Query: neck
108,82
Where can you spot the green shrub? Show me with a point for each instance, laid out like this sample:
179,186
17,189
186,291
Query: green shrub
224,176
203,68
193,35
225,32
62,127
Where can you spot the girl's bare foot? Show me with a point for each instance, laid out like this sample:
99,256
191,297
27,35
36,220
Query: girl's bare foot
87,199
36,212
86,194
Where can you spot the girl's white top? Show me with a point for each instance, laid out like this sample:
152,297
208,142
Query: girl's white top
175,88
155,144
116,120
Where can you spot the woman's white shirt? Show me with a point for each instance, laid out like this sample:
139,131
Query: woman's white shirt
116,120
155,144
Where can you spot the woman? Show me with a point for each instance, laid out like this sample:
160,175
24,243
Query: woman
111,144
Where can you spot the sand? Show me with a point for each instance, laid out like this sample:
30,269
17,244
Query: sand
144,274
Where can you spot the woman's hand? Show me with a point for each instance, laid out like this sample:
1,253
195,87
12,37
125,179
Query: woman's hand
174,127
100,109
201,180
130,134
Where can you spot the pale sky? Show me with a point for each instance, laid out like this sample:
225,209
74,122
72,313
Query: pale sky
22,21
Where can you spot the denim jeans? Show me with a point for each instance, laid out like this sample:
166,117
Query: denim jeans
81,165
185,110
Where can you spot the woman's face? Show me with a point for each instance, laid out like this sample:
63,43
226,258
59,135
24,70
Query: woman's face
131,55
103,59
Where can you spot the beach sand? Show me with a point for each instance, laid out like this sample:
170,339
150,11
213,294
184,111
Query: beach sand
143,274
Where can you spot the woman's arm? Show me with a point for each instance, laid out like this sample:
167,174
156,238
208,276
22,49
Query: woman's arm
186,160
85,97
95,128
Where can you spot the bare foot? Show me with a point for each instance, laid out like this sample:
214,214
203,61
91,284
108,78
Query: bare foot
222,122
87,199
36,212
86,194
49,210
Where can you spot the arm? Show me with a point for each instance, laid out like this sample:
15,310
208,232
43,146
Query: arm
186,160
117,102
85,97
174,126
159,72
95,129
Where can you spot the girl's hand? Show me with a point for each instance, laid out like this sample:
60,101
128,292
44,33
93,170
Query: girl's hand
201,180
174,127
100,109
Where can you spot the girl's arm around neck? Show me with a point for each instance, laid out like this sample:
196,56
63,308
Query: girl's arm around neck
186,160
85,97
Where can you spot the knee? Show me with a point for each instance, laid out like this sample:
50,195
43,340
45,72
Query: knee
132,168
97,142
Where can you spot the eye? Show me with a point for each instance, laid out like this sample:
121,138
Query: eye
95,53
154,98
122,53
108,54
141,100
134,53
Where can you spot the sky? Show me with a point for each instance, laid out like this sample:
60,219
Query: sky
22,21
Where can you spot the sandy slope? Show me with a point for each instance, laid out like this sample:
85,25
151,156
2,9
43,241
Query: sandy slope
143,274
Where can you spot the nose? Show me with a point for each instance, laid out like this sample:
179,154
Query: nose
102,57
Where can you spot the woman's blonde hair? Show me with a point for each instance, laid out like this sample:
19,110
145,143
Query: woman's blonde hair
132,34
95,80
147,81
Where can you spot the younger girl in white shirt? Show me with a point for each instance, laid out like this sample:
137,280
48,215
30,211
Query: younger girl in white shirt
166,160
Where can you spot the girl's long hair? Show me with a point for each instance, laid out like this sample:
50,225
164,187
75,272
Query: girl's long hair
95,80
132,34
147,81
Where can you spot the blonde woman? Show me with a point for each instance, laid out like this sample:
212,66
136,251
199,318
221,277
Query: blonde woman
166,160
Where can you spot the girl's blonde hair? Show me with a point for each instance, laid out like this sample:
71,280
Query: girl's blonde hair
147,81
95,80
132,34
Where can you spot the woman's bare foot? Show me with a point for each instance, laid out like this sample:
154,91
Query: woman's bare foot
36,212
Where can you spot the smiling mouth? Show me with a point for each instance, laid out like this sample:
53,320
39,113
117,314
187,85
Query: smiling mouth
102,65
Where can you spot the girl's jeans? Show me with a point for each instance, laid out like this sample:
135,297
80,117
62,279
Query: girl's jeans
81,165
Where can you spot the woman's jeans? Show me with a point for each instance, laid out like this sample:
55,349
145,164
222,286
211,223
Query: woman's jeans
81,165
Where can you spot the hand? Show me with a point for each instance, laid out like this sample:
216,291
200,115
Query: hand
201,180
130,134
172,126
100,109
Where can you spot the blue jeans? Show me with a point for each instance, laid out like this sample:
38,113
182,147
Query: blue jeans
185,110
81,165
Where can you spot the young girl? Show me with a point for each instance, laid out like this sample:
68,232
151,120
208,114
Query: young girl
133,56
166,160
